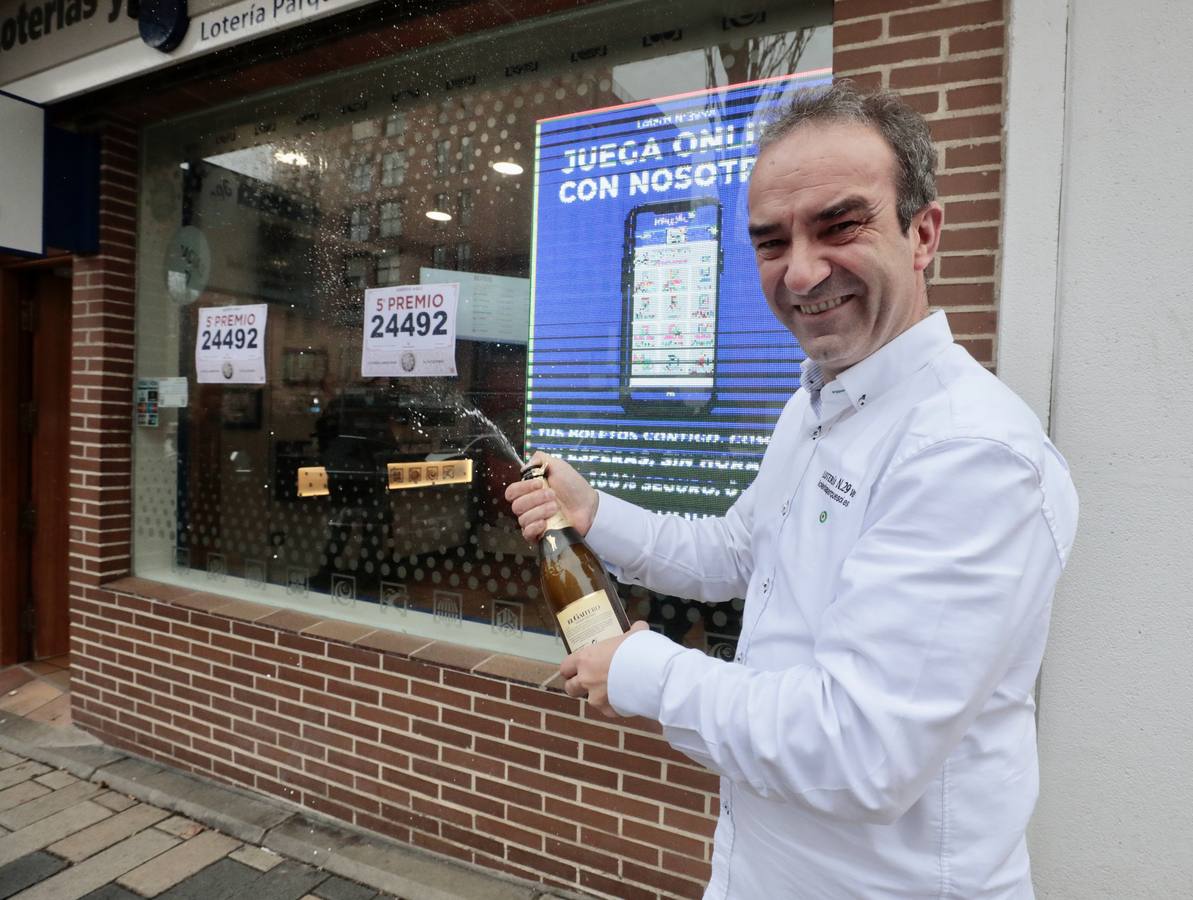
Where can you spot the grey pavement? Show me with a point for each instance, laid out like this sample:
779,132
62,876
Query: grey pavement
80,820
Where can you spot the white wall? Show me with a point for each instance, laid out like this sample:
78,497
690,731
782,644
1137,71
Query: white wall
1115,818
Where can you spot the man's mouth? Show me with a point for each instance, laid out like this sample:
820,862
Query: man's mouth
812,309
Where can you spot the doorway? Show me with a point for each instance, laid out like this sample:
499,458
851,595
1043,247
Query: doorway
35,382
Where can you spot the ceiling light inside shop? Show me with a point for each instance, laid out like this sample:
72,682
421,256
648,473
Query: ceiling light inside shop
507,167
291,158
439,215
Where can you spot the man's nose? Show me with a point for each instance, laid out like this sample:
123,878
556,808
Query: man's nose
806,269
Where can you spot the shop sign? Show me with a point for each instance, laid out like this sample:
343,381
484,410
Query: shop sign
22,151
230,345
410,331
79,45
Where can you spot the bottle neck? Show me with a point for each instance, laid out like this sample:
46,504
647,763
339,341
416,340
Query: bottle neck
558,522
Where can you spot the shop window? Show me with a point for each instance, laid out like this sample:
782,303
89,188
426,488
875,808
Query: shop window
395,124
361,179
358,224
366,130
464,207
610,175
356,272
393,168
391,219
388,271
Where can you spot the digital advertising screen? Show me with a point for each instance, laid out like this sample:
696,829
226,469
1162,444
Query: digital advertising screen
654,364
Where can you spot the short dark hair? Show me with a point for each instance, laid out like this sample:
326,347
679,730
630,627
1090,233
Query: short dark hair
904,130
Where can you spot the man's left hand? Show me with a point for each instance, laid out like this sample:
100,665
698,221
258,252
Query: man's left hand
586,672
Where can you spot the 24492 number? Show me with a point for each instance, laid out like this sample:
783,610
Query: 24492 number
230,339
418,324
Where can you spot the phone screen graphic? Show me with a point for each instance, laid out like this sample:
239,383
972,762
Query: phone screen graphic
672,267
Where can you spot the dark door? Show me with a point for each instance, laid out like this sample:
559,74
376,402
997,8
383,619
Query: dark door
35,373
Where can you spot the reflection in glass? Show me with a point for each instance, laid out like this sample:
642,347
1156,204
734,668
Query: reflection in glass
308,215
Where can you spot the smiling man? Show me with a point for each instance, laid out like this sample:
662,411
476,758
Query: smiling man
897,553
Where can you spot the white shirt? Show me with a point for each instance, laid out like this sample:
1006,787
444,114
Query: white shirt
897,554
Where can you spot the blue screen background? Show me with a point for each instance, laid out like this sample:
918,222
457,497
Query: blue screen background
592,170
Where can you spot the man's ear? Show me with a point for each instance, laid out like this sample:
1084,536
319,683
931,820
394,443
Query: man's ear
925,235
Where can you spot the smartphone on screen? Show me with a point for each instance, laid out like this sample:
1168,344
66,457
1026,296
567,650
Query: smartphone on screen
671,281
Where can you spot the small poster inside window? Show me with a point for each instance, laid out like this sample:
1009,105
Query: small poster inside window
147,402
410,331
230,345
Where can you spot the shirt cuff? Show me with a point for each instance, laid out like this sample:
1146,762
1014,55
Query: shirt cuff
619,531
637,673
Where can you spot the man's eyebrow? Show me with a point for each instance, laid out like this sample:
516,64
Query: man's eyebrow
763,229
847,206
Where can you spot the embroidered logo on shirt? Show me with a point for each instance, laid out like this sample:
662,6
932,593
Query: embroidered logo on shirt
838,489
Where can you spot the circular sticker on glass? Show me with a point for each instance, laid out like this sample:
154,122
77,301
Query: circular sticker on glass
188,265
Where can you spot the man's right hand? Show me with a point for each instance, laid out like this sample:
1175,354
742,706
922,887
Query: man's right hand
535,501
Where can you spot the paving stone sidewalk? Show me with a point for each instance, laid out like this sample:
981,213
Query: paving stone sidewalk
79,819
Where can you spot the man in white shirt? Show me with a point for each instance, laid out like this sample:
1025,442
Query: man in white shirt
897,553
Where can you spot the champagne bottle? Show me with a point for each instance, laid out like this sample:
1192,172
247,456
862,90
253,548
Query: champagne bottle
578,589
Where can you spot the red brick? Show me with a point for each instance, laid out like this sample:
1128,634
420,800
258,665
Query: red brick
543,783
978,265
615,887
857,32
690,823
843,10
663,880
888,53
531,718
537,862
980,68
443,812
966,128
963,183
988,153
974,96
510,793
944,18
976,238
672,840
976,294
465,682
977,40
583,731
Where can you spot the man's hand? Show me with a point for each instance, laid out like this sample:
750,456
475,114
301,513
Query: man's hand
534,502
586,672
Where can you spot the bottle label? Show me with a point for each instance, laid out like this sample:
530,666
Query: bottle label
588,620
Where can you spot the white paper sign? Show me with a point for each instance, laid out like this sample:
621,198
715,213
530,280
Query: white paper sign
410,331
230,345
171,393
492,307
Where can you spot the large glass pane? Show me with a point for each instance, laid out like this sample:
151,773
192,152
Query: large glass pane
289,207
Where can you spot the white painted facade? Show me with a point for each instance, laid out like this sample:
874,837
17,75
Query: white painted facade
1096,332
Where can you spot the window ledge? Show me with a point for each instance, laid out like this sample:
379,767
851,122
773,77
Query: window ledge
441,653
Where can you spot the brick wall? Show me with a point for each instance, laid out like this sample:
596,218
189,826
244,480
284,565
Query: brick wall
102,376
450,749
398,735
947,58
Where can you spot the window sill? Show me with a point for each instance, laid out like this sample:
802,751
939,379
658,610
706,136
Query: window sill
440,653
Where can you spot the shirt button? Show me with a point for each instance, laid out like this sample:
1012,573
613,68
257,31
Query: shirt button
765,585
786,507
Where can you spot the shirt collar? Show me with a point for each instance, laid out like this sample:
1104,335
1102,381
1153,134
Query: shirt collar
865,381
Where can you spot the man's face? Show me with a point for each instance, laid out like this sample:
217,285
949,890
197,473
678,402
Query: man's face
836,268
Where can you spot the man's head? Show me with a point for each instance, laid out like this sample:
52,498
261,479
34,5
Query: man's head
843,219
